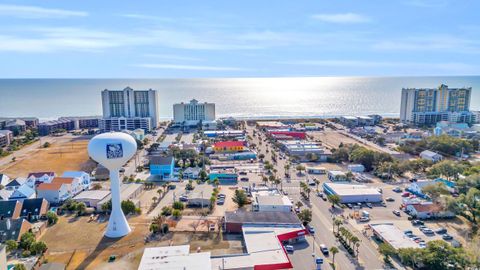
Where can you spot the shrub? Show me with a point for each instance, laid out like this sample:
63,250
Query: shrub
128,207
26,240
166,211
178,205
176,213
26,253
38,247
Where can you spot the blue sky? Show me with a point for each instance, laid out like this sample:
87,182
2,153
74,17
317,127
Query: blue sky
184,39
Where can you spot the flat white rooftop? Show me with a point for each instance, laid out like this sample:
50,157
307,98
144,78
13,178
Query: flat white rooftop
351,189
174,258
263,248
393,236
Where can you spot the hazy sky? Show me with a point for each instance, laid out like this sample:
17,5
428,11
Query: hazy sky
257,38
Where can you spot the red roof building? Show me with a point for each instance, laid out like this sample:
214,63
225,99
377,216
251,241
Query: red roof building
294,134
230,146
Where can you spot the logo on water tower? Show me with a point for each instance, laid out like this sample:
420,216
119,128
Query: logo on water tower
114,150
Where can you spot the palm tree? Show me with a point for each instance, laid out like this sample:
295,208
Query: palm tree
317,182
337,222
216,182
308,190
264,179
154,199
160,192
354,240
334,250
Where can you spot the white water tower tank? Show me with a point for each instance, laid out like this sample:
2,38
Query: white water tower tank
112,150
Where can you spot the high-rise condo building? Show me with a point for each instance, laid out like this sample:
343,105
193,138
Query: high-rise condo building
425,106
129,109
194,112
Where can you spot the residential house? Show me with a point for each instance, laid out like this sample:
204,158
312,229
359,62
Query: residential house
10,209
15,183
430,155
4,179
191,173
5,194
34,209
200,196
13,229
36,178
417,187
73,184
23,192
229,146
428,210
83,177
54,193
356,168
91,198
162,167
101,173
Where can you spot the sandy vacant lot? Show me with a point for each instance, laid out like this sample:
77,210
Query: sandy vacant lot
64,154
332,139
80,244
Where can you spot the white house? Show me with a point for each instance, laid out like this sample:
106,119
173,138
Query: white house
428,210
15,183
268,200
4,179
316,170
83,177
430,155
5,194
53,192
36,178
191,173
23,192
73,184
416,187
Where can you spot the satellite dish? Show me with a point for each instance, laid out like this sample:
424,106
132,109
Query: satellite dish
113,150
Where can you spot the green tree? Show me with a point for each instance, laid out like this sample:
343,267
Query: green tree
334,250
471,203
300,168
363,156
52,217
333,199
305,216
240,198
387,251
408,256
11,245
38,247
80,208
434,191
26,240
128,207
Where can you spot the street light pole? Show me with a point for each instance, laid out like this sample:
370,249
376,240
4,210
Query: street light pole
313,247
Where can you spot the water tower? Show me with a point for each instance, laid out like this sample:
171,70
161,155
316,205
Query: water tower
112,150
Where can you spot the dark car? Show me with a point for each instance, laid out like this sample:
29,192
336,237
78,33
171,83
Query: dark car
447,237
417,222
244,179
441,231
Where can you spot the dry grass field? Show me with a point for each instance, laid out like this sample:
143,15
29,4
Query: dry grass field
64,154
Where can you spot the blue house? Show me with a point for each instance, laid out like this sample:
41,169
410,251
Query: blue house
162,166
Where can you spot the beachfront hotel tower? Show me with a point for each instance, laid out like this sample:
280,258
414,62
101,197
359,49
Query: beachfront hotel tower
129,109
426,106
194,112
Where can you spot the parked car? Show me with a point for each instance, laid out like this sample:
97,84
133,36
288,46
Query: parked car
320,194
408,232
406,194
422,245
244,179
441,231
223,196
447,237
383,204
428,231
390,199
311,229
289,248
369,205
396,213
183,198
242,173
417,222
220,202
397,189
324,249
364,219
349,205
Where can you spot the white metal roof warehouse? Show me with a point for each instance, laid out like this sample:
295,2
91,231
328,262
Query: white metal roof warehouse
387,232
350,193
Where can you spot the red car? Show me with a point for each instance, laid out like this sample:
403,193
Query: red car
406,194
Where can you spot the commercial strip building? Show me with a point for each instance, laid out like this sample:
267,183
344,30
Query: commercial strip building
224,176
426,106
229,146
316,170
337,176
129,109
174,258
390,234
225,134
247,155
288,135
92,198
303,149
270,200
272,125
235,220
351,193
193,113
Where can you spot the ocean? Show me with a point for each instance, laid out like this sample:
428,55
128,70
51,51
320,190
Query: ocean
236,97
